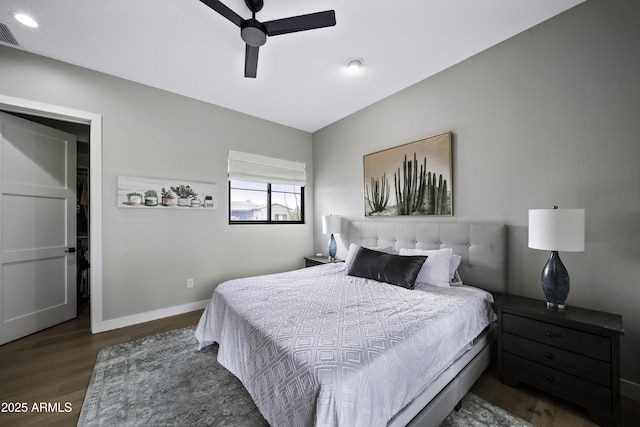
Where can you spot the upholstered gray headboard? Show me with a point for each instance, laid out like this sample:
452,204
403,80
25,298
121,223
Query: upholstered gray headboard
483,247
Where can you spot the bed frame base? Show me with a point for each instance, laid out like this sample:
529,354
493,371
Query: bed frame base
458,383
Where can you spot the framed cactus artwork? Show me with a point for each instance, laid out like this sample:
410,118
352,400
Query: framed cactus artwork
411,179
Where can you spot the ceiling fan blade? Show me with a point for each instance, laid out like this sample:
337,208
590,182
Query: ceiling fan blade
224,11
251,61
301,23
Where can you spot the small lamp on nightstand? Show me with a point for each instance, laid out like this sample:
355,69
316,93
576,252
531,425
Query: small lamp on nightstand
331,224
556,230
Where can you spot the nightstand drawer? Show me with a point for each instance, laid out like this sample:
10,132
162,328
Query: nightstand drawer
572,363
596,346
559,383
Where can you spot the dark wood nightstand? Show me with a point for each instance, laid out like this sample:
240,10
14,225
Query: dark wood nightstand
572,353
310,261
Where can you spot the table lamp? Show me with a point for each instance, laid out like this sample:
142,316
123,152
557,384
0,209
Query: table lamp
331,224
556,230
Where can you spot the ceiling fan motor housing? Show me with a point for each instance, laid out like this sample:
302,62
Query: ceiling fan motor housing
253,32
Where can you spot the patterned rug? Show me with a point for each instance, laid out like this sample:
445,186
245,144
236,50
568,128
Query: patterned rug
478,412
162,380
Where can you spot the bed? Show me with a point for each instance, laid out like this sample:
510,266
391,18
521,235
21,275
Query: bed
324,346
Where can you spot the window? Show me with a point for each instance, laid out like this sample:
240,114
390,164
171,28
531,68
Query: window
256,202
265,190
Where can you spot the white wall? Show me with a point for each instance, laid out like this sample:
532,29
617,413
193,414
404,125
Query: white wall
149,254
551,116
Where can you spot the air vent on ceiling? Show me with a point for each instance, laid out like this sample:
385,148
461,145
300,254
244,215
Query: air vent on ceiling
6,36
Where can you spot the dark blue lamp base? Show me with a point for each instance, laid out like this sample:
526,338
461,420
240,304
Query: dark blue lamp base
332,248
555,282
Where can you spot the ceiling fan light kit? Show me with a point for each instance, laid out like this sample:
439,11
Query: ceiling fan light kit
254,33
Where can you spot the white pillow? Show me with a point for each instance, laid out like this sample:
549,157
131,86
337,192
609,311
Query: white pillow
435,270
353,248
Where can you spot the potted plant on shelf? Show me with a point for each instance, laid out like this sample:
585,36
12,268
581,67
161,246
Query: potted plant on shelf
208,201
151,198
134,199
184,192
168,199
195,202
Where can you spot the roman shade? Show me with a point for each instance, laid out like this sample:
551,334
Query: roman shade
256,168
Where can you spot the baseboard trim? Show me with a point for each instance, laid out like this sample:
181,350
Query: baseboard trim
134,319
630,389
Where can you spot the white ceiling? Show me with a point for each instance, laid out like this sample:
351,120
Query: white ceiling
186,48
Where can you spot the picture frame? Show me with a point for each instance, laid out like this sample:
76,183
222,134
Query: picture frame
413,179
153,193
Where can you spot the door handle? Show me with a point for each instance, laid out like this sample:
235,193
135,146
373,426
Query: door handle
70,250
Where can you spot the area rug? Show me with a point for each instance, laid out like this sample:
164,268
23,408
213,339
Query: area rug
162,380
477,412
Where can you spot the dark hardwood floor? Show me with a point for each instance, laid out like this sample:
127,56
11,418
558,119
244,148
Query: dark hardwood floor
54,367
542,409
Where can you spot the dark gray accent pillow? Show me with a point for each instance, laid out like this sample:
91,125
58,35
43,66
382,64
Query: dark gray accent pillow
394,269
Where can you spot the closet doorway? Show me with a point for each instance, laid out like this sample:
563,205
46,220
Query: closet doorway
88,127
36,302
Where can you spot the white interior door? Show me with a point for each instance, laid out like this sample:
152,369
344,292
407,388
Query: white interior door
37,227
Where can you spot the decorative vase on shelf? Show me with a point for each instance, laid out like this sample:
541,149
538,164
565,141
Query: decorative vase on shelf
208,202
168,198
151,198
134,199
184,193
195,203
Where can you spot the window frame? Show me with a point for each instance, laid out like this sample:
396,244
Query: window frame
269,202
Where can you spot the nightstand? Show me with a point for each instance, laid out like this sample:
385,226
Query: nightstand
310,261
573,353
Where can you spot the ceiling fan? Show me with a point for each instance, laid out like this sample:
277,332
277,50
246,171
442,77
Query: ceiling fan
255,33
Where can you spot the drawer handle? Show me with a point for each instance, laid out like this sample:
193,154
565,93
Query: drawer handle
548,355
549,334
549,377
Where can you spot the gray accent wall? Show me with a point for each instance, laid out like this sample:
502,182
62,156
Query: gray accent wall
549,117
149,254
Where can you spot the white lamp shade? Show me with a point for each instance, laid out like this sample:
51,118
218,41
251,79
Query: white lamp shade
331,224
556,229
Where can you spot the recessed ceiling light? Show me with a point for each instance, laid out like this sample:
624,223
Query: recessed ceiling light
354,64
25,19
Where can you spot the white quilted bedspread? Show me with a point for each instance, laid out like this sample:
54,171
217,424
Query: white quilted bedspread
316,347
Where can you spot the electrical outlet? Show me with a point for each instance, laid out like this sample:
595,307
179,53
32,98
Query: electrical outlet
189,283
